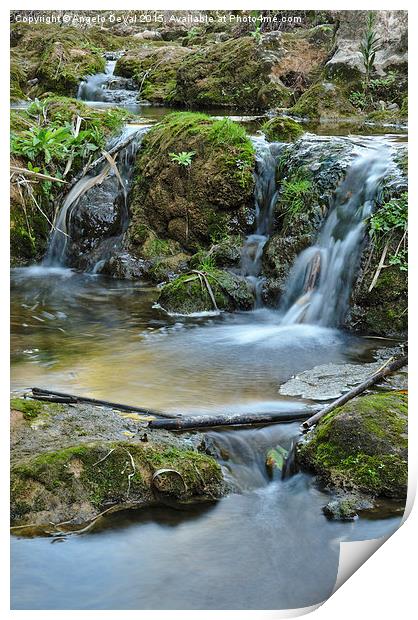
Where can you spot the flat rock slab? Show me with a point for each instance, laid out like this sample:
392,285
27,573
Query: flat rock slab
328,381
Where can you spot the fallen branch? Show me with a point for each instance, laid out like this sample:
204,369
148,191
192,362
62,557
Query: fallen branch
379,268
41,392
184,423
38,175
386,369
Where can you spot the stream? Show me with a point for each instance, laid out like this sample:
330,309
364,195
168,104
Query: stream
267,545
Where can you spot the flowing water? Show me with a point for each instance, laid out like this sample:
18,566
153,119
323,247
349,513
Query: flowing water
108,88
115,182
265,196
319,284
265,546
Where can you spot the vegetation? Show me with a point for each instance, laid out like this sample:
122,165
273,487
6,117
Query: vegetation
369,46
388,223
282,129
54,136
183,159
362,445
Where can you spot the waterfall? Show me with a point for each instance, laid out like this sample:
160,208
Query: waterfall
63,234
108,88
265,196
92,88
319,284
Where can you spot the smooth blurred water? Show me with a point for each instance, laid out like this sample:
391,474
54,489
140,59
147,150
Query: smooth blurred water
268,546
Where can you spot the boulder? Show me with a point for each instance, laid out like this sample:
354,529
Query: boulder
391,28
361,447
71,463
191,202
190,293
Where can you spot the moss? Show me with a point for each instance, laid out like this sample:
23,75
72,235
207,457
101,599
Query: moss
362,445
325,100
101,475
57,57
188,293
282,129
154,70
386,116
233,73
33,408
29,408
191,205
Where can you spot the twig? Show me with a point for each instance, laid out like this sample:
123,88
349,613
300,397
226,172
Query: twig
379,268
38,175
104,458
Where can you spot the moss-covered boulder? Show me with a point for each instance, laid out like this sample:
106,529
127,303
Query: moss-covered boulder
233,73
70,464
206,291
361,446
193,184
324,101
51,58
282,129
308,174
154,70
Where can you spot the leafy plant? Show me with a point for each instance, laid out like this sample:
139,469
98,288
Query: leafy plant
368,48
359,99
388,223
183,159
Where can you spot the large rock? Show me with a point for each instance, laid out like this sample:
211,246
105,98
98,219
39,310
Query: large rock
252,74
308,175
176,208
206,292
154,70
56,57
361,447
69,464
392,29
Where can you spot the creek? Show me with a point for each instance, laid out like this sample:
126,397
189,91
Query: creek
265,546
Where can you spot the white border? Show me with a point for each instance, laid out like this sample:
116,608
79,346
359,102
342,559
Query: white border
384,586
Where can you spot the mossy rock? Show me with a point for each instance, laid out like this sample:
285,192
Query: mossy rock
75,484
154,70
233,73
191,205
56,57
282,129
362,446
324,101
189,293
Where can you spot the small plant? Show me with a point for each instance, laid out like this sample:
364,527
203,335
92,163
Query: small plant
295,191
358,99
368,48
183,159
386,223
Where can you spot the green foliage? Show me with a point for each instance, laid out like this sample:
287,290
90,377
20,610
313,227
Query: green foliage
43,144
388,223
368,48
295,191
183,159
359,99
